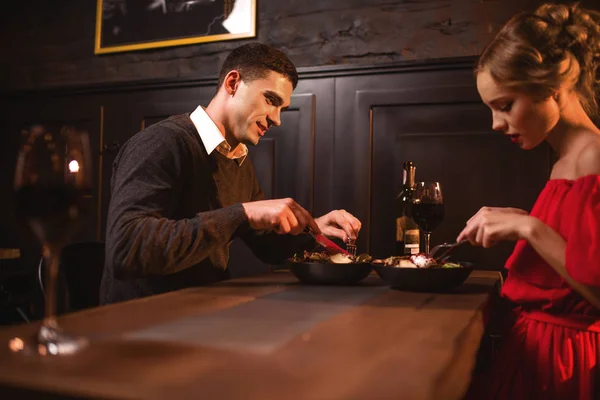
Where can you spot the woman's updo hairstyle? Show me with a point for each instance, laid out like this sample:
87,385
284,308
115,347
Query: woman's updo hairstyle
538,53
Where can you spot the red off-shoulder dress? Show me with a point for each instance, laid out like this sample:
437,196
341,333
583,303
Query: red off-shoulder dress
551,348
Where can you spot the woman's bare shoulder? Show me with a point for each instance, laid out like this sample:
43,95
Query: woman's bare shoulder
588,160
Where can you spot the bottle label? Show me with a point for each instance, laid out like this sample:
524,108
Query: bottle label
400,224
411,241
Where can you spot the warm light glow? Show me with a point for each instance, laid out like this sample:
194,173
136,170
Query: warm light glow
52,349
74,166
16,344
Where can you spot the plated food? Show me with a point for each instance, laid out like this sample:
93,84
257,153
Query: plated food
324,257
418,272
325,269
420,260
421,273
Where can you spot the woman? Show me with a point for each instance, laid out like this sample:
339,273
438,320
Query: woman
540,76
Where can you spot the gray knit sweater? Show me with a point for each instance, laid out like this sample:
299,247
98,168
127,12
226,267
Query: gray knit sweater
174,211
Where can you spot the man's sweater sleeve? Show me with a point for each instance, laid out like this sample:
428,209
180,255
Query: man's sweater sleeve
141,240
273,248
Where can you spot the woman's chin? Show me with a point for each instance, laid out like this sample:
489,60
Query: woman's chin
528,145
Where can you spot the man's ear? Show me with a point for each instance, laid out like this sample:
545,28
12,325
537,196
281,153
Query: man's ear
232,82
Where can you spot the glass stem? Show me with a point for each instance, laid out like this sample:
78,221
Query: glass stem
51,261
427,238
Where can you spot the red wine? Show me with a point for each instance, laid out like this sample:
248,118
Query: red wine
53,212
427,215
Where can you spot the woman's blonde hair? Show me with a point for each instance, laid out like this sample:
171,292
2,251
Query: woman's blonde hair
539,52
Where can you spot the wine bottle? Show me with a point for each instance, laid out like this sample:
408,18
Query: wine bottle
407,231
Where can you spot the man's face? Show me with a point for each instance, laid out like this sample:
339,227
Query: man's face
256,105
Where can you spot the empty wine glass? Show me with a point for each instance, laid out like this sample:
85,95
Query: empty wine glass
427,208
53,181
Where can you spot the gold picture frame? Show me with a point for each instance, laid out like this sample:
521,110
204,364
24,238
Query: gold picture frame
128,25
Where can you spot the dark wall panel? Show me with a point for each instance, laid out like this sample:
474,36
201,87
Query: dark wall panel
341,145
286,166
356,96
447,132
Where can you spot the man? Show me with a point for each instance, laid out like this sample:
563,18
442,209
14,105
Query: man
182,189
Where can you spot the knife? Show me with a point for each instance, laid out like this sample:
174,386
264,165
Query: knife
331,247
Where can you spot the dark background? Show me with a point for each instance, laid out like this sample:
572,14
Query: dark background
381,82
51,43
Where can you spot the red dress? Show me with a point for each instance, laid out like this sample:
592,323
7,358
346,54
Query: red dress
551,348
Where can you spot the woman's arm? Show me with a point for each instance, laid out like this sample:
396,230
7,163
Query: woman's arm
492,225
552,248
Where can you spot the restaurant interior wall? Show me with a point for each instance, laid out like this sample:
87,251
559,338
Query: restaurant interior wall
380,82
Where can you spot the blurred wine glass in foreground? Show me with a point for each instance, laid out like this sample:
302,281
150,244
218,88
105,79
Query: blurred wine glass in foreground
52,185
427,208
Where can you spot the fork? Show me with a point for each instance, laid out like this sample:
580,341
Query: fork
351,246
448,246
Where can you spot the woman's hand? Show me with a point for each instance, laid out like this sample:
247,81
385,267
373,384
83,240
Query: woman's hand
491,225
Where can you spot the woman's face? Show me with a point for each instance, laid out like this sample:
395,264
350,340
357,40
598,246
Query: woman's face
525,120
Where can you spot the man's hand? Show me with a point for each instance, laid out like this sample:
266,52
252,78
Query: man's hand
279,215
340,224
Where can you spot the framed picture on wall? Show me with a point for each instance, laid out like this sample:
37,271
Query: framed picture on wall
126,25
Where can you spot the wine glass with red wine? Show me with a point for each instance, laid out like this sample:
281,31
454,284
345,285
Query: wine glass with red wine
53,184
427,208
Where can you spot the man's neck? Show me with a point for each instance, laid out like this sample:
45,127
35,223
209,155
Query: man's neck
216,112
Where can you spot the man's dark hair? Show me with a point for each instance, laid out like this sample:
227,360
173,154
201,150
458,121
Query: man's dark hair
255,60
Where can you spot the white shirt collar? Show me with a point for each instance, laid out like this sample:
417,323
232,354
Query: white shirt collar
213,139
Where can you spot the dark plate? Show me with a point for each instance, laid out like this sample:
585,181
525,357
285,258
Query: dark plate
329,273
424,279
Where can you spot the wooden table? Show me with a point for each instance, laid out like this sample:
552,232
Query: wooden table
266,337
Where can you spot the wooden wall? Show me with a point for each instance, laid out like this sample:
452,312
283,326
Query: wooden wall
50,43
379,84
341,145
